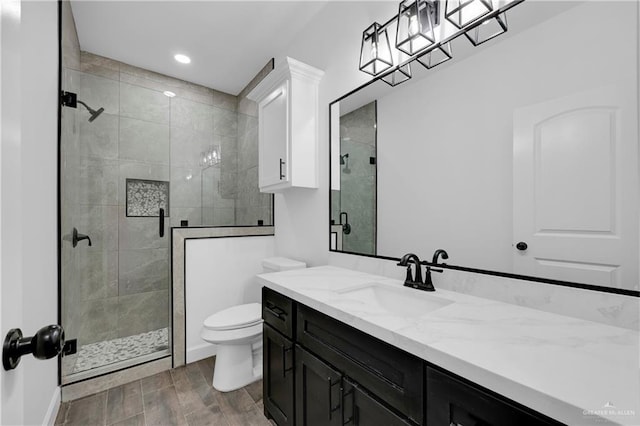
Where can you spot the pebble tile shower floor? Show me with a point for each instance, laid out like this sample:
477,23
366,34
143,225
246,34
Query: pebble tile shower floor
99,354
182,396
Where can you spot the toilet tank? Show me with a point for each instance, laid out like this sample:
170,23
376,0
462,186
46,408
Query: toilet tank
277,264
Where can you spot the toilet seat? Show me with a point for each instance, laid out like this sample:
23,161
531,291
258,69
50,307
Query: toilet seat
235,317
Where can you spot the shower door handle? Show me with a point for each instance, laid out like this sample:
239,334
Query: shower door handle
161,221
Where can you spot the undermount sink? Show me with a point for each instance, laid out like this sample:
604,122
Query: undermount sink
399,301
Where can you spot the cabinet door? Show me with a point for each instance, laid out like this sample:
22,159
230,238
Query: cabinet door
318,392
278,383
452,401
273,137
361,409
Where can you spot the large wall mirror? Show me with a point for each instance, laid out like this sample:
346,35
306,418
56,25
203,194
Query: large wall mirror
531,138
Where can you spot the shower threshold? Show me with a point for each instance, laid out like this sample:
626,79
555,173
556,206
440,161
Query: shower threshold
99,358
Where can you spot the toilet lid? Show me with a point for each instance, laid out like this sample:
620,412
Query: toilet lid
235,317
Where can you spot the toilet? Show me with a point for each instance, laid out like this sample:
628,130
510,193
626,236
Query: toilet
238,333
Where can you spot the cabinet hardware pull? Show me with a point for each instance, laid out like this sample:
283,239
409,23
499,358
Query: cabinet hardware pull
331,406
351,418
281,172
285,370
161,223
275,311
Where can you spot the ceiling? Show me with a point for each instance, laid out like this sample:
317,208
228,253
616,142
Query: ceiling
228,41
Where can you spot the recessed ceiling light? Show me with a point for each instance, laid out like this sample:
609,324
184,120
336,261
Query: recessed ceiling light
183,59
169,94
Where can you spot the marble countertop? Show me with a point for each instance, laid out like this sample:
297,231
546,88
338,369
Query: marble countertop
576,371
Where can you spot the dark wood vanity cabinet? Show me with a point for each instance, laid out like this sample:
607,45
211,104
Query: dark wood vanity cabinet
318,392
319,371
393,375
325,397
278,313
454,401
278,377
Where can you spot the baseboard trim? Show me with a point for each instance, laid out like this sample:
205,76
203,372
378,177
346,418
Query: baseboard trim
196,353
54,407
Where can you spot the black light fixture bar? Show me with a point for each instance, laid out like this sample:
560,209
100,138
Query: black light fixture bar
456,34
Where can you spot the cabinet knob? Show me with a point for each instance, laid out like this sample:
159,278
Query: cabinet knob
522,246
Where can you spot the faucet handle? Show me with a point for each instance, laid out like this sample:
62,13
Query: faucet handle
409,277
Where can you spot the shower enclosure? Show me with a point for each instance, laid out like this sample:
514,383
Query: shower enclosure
140,152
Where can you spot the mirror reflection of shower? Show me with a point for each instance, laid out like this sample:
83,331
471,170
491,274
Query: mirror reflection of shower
94,113
344,161
211,157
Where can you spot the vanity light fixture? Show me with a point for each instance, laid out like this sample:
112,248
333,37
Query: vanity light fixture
436,56
375,51
183,59
488,29
422,34
416,22
463,12
399,75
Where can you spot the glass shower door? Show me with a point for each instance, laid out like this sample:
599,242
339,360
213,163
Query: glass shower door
115,172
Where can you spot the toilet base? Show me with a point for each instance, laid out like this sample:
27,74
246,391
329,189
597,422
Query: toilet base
236,366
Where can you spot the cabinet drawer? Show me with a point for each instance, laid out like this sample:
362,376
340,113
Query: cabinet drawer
392,374
278,311
453,401
361,409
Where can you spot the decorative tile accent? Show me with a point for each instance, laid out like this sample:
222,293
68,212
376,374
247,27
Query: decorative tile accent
146,197
108,352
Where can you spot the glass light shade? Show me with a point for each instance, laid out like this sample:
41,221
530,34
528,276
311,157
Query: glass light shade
487,30
398,76
463,12
375,51
416,20
436,56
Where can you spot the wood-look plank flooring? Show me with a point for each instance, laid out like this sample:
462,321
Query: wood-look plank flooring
182,396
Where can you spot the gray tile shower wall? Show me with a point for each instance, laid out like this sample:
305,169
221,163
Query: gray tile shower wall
251,204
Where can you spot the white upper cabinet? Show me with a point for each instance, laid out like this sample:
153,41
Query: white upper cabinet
288,126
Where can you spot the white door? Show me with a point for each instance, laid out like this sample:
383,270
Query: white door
575,188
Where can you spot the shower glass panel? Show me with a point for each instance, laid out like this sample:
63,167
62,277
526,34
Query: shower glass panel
115,175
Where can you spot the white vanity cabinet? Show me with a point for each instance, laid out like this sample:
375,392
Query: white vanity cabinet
288,126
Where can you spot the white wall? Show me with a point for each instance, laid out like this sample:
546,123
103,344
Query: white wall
220,273
452,144
331,43
29,204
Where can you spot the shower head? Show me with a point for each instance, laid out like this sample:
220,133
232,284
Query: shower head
343,158
93,112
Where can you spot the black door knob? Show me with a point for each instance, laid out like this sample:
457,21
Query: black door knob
46,343
522,246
